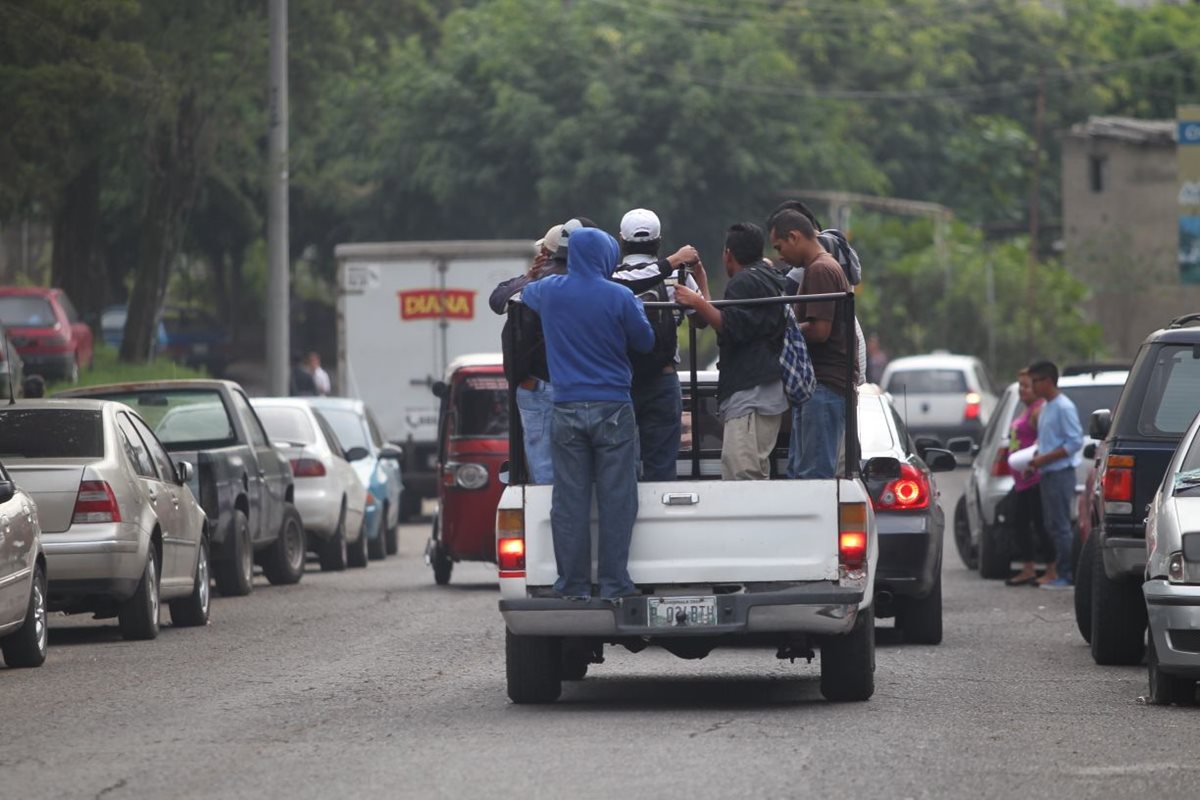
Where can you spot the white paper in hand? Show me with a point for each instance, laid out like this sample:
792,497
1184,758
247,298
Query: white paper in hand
1021,460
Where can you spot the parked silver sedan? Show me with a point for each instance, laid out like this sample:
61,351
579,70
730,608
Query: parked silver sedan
22,578
120,528
1172,587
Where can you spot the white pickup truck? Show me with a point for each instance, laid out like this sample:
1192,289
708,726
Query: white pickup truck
784,564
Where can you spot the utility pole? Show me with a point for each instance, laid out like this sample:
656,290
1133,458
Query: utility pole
1035,204
278,282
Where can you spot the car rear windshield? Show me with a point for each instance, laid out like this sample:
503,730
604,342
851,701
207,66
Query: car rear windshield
51,433
928,381
1092,398
481,403
349,427
25,311
285,424
1172,394
183,418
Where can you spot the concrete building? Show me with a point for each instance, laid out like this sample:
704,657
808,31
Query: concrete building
1120,226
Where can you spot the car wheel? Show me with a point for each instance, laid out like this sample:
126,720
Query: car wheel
356,551
333,554
26,647
284,562
920,618
848,662
393,536
533,668
994,558
962,535
1165,688
1083,588
1118,616
192,611
138,616
377,547
234,572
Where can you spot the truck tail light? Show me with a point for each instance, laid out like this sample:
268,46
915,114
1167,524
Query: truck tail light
1117,484
95,503
307,468
852,535
1000,465
510,542
910,491
972,409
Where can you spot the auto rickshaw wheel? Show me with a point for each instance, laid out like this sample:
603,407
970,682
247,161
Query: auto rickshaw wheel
439,559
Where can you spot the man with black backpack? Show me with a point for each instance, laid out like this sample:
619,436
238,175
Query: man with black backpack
657,396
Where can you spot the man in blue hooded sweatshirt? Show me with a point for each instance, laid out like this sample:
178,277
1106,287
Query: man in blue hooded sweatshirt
591,324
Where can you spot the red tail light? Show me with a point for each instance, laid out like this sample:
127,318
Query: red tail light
95,503
307,468
910,491
852,535
510,542
511,555
1000,465
971,412
1118,479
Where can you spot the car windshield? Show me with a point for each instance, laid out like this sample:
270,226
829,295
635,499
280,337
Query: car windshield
481,403
26,311
1092,398
286,424
1173,392
182,418
349,427
50,433
927,381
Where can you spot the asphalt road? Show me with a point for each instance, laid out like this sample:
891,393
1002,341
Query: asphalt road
376,683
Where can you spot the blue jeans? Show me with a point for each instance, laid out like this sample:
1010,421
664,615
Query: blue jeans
1058,493
818,427
658,409
594,443
537,409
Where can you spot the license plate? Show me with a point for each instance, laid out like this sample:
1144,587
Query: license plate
681,612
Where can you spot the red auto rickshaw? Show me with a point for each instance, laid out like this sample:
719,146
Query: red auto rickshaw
472,445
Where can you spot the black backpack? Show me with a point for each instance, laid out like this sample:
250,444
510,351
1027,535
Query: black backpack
521,341
666,343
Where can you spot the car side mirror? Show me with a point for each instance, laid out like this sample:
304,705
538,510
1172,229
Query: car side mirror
440,389
1100,424
357,453
184,472
505,473
962,445
1089,451
940,460
392,452
881,468
8,490
924,443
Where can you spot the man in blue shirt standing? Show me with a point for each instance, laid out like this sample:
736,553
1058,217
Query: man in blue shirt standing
591,324
1060,439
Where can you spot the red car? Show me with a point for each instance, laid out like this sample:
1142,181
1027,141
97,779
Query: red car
46,331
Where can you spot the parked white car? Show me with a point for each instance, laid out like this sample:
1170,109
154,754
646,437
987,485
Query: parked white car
330,495
120,528
941,395
23,634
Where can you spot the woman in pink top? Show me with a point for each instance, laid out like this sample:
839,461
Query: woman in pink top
1027,494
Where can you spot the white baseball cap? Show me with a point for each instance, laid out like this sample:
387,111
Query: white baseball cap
550,240
640,225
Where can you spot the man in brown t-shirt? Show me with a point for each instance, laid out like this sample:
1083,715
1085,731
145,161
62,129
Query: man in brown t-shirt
819,424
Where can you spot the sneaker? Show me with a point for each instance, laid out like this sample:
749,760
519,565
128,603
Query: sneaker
1057,584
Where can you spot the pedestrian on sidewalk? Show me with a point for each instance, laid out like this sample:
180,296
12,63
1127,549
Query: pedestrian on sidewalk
1059,441
591,324
1029,528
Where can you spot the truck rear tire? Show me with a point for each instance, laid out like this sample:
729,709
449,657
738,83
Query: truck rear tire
533,666
920,619
1083,588
1118,616
1166,689
962,535
234,572
994,558
848,662
283,563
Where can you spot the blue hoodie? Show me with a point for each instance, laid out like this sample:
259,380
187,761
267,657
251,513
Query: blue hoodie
590,323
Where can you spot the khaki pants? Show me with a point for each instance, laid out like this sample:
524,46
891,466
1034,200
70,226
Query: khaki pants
747,445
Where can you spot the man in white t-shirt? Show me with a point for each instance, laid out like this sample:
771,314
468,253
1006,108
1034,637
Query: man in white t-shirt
320,376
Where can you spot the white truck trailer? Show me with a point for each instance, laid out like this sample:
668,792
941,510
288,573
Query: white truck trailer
405,311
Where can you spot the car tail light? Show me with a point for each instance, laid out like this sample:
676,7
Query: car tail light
307,468
1117,484
1000,465
971,412
510,542
910,491
852,535
95,503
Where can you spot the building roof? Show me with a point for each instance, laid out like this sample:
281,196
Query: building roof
1127,129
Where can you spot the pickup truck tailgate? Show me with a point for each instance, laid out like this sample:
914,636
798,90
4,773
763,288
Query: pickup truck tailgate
711,532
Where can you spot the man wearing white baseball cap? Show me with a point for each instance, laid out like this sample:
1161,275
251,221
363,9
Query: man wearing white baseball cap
657,395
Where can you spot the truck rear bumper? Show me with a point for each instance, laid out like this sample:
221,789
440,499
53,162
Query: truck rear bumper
1124,557
818,609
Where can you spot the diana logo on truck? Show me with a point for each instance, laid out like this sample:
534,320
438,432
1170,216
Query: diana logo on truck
437,304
